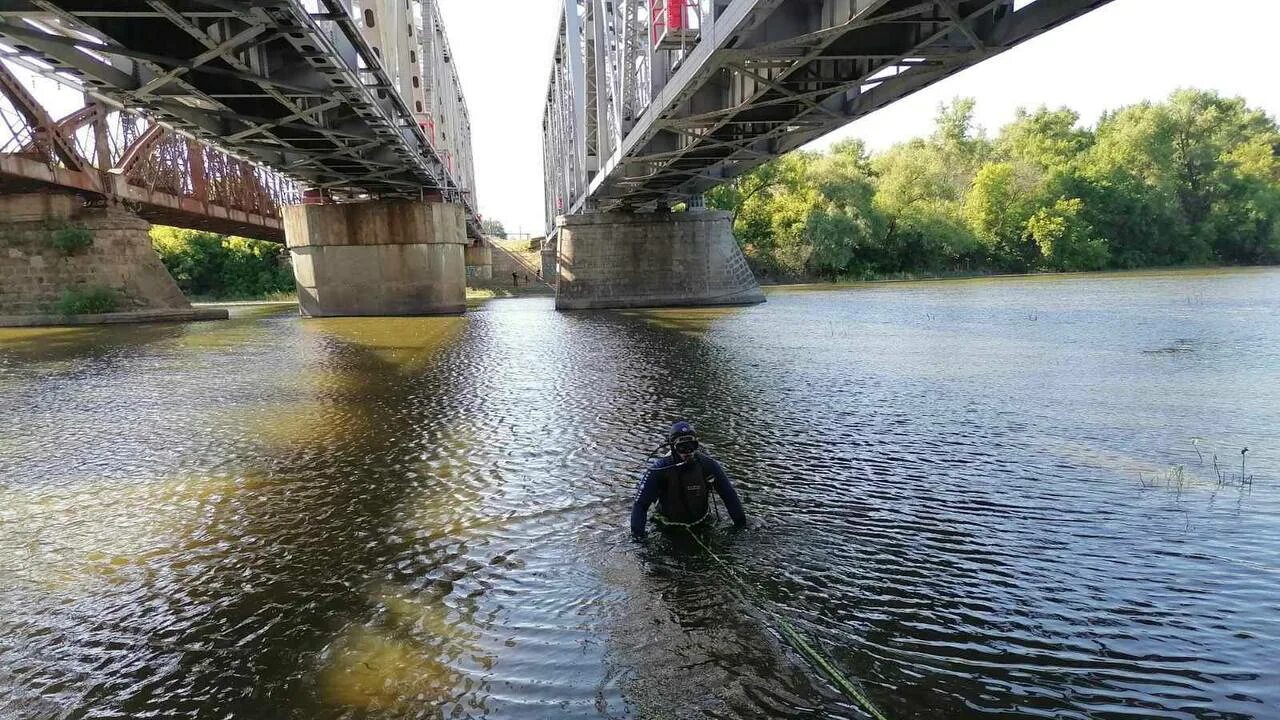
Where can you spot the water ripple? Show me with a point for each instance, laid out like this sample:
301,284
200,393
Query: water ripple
428,517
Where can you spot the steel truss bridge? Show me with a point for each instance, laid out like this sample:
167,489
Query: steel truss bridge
653,102
209,114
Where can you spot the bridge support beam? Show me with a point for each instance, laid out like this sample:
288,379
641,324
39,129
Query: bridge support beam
383,257
624,260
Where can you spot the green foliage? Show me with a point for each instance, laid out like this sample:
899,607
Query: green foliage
216,266
71,239
1045,139
1065,240
1192,180
493,228
90,300
997,209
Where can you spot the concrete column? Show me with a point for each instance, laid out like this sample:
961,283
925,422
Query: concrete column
622,260
479,262
549,251
382,257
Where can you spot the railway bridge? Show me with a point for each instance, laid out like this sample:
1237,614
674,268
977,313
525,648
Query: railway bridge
653,102
337,126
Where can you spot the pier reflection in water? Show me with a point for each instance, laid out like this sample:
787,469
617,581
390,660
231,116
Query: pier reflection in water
427,517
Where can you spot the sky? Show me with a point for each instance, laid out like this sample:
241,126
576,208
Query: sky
1126,52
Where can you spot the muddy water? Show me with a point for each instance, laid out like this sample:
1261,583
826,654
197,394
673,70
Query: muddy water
976,499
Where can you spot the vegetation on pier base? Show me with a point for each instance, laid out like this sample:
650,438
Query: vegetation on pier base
219,267
89,300
1194,180
70,239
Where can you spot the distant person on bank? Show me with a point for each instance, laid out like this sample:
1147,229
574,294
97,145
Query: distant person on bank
681,484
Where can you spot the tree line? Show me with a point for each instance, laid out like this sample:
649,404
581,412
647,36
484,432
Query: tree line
1193,180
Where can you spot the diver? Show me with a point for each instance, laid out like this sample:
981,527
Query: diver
680,483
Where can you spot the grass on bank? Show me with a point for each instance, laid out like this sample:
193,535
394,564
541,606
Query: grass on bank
890,278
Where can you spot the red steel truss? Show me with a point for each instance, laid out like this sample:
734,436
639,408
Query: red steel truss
104,154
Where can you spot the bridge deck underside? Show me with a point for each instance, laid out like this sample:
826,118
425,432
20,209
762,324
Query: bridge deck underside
770,95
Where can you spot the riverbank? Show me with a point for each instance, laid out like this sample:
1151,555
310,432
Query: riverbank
132,317
260,299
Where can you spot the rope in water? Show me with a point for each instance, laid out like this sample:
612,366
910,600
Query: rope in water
793,636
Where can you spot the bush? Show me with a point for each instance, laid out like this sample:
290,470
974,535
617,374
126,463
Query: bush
91,300
216,266
71,239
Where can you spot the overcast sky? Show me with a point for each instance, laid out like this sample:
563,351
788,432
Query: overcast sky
1126,52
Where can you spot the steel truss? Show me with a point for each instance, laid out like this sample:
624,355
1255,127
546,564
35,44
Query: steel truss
763,78
292,85
165,177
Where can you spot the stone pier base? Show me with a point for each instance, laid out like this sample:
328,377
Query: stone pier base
479,262
622,260
382,257
53,250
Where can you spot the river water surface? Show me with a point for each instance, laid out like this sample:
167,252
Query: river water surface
976,499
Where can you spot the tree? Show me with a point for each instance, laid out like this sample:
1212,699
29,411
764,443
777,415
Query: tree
1194,179
1048,140
1065,240
1210,160
997,209
206,264
493,228
843,226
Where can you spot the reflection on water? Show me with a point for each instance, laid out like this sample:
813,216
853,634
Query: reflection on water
977,498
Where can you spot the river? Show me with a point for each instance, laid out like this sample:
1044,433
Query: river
991,498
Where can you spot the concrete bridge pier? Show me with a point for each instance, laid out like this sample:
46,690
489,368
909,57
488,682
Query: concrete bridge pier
550,251
382,257
625,260
479,261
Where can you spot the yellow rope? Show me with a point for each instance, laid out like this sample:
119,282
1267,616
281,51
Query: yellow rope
802,646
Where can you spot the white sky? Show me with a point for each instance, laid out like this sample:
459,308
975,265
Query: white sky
1126,52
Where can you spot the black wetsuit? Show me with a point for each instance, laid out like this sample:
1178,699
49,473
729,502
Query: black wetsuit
682,491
